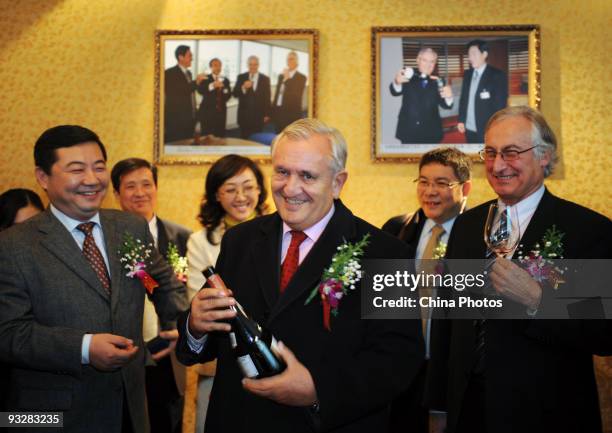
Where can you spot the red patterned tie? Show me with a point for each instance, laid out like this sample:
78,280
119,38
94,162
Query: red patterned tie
292,259
94,256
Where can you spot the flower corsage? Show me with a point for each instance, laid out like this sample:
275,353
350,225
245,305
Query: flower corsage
539,261
340,277
178,262
133,255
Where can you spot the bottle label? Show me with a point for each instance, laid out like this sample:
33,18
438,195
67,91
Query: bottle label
232,338
246,365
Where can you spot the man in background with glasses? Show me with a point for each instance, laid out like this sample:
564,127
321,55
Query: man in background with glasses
442,189
521,375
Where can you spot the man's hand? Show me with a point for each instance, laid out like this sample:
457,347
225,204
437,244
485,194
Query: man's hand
247,84
208,308
293,387
171,335
446,92
286,75
200,78
461,127
108,352
515,283
400,78
218,84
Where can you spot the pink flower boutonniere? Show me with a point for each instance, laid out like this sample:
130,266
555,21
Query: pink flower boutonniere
134,255
340,277
539,261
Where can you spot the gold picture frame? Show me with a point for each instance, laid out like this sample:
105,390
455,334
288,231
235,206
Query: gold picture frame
205,109
402,130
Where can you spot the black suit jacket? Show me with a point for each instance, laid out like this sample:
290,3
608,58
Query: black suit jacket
179,113
539,373
407,228
357,368
419,118
212,113
253,105
493,81
290,109
50,297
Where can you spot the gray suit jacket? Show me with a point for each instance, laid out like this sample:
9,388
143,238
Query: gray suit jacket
50,296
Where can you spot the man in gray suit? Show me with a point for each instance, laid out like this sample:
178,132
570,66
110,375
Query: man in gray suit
70,316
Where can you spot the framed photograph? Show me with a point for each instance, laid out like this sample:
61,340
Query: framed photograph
230,91
438,86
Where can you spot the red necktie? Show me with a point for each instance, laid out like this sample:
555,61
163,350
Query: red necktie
292,259
93,255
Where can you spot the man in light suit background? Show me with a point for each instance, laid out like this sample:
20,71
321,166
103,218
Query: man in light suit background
484,91
135,187
253,93
289,93
70,316
179,93
341,380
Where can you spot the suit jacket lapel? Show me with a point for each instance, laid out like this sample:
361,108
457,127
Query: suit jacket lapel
542,220
266,255
162,238
61,244
112,239
339,229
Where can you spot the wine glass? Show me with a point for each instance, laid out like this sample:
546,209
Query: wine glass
502,232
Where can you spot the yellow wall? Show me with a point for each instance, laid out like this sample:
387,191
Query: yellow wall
91,63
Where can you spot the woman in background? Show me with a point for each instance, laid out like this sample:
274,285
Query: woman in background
17,205
234,193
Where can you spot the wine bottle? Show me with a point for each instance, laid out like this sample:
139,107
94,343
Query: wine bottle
253,347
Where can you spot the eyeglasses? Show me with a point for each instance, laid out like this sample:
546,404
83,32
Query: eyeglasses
234,191
507,155
439,185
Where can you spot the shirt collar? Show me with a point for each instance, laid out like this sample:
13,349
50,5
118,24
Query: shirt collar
481,69
446,225
183,69
70,223
529,203
313,232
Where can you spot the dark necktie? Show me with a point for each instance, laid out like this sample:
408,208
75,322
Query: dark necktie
479,324
292,259
94,256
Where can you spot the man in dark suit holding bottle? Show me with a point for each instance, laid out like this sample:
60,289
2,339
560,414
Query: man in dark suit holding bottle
524,375
253,93
338,380
484,91
135,185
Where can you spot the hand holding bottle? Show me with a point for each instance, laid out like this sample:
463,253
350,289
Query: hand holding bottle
292,387
210,311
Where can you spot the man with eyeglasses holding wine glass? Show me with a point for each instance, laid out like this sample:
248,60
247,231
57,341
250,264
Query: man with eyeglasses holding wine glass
442,189
521,375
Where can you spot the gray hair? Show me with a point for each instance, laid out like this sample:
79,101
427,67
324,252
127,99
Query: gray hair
253,57
542,136
427,50
304,129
